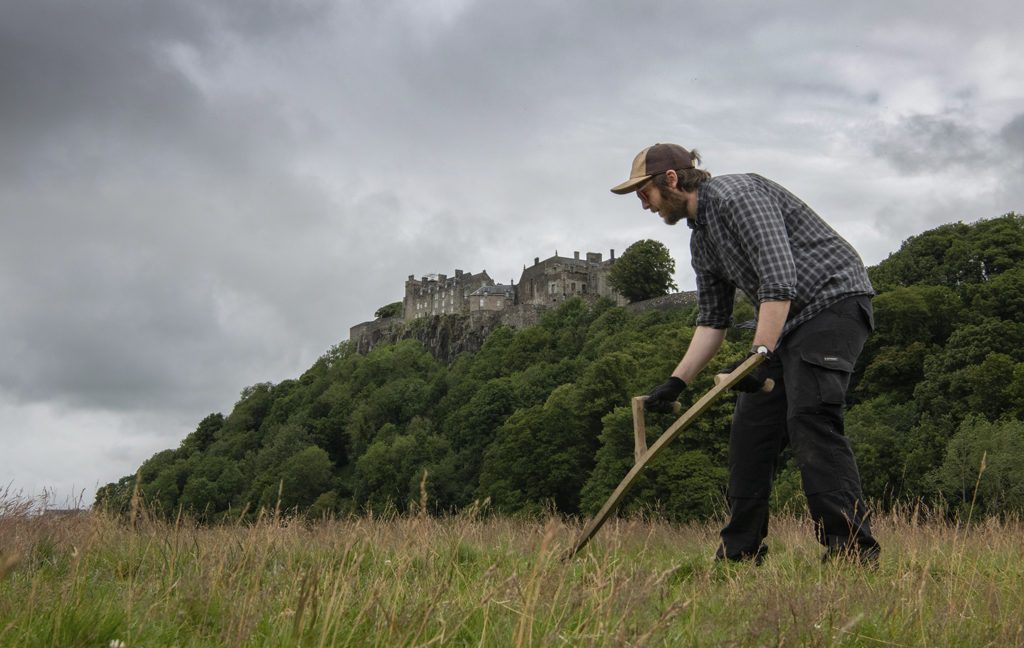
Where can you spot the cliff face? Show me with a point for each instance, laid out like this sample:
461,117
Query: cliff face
443,336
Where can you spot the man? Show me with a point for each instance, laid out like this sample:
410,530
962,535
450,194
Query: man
813,301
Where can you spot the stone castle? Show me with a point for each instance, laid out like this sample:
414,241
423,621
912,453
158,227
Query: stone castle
545,284
542,287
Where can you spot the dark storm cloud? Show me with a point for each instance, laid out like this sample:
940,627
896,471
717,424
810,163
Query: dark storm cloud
931,143
72,69
1013,134
139,212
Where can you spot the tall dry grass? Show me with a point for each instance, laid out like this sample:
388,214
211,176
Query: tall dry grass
90,579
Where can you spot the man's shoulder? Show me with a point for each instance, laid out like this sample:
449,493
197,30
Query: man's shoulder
719,192
735,182
725,189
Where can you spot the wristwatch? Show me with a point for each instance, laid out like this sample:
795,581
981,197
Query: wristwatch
762,349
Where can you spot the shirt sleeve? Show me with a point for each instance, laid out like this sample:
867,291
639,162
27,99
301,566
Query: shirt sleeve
715,299
761,230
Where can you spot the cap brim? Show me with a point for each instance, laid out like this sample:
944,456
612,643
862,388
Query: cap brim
631,185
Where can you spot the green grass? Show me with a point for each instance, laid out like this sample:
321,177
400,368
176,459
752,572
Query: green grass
94,580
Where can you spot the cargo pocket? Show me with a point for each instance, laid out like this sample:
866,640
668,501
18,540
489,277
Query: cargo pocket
832,373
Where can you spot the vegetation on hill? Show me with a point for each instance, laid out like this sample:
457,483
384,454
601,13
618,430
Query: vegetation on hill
539,418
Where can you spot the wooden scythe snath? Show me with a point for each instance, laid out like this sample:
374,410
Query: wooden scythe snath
644,454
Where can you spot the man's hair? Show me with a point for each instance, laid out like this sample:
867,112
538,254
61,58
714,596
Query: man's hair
689,179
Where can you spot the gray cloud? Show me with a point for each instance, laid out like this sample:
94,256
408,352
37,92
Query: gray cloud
1013,135
930,143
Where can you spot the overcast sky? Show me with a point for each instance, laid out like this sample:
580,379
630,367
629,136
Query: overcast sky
197,196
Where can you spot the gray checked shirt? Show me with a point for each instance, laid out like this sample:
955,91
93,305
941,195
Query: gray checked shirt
753,234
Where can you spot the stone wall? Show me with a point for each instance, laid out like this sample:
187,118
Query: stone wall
667,302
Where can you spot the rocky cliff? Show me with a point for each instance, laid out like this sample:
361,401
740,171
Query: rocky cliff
443,336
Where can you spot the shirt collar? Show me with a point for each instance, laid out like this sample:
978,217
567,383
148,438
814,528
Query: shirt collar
699,221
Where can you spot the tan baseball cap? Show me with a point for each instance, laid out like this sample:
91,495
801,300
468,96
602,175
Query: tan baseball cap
652,161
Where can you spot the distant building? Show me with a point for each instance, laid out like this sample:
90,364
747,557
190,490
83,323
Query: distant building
485,304
542,287
441,294
545,284
552,281
494,298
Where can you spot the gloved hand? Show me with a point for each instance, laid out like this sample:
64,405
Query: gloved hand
660,398
753,381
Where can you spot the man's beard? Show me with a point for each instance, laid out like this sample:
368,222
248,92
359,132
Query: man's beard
672,208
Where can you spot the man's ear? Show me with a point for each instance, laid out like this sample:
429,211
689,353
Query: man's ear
673,179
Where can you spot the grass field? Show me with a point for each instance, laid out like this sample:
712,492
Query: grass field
89,579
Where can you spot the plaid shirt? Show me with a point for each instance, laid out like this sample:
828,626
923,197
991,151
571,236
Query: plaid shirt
753,234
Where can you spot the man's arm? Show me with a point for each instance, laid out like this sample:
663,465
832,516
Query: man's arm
705,343
771,317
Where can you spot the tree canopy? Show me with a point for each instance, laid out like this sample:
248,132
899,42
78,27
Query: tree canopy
644,271
539,418
390,310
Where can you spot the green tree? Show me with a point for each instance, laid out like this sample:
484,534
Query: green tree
643,271
390,471
954,255
997,486
1002,296
200,496
955,376
539,458
879,430
391,310
304,477
682,483
910,324
204,435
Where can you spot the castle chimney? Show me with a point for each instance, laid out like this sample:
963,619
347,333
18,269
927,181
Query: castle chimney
613,254
576,256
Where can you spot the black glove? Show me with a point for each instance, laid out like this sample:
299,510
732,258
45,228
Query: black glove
660,398
753,381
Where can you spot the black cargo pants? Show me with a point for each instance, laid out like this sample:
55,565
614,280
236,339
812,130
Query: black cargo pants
811,368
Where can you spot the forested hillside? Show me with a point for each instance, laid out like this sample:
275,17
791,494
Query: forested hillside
539,418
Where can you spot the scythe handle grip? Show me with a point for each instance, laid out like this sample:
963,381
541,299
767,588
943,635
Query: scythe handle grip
766,387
